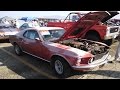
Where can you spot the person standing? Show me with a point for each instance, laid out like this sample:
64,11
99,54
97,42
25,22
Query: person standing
6,22
117,54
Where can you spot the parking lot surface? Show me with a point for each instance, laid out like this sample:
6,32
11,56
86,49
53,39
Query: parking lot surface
28,67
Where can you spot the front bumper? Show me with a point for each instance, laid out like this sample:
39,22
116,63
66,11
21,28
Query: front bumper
112,32
111,36
92,65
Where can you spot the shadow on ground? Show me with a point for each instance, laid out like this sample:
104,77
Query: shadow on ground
4,41
107,73
19,67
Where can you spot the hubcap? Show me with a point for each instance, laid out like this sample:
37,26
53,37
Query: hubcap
58,67
17,50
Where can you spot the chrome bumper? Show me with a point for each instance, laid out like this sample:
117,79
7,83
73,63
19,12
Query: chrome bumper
90,66
110,36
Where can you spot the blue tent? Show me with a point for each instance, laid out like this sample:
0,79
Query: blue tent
28,18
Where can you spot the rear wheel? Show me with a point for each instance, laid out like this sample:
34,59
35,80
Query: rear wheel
17,49
60,67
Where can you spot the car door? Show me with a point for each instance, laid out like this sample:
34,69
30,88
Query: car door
33,44
29,43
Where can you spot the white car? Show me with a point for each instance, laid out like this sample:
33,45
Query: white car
29,25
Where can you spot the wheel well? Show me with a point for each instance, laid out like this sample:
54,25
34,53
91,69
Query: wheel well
56,56
14,43
93,32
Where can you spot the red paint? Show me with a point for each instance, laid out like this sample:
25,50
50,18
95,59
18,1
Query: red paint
96,26
46,49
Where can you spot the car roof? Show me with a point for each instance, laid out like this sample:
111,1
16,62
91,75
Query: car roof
45,28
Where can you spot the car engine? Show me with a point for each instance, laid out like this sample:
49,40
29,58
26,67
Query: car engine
86,45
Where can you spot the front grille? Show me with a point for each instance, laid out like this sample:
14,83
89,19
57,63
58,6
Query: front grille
99,56
113,30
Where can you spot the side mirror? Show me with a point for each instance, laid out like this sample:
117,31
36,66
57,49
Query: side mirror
37,39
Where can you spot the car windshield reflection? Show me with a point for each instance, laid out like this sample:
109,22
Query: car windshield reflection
52,34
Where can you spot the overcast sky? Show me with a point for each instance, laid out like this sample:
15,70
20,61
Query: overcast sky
18,14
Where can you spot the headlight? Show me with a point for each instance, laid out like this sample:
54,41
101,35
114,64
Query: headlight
86,60
1,34
78,62
91,60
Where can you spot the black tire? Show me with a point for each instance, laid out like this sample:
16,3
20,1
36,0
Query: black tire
101,65
93,37
18,50
108,42
64,69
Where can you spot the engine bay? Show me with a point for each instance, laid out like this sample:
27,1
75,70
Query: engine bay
86,45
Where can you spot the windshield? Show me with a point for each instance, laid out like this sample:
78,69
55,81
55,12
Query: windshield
52,34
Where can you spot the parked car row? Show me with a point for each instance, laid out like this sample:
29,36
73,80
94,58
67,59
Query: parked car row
6,30
64,49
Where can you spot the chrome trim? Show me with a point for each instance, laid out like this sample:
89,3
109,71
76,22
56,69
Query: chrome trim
36,56
108,13
111,35
104,57
92,65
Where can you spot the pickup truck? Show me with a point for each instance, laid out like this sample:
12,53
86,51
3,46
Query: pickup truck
99,32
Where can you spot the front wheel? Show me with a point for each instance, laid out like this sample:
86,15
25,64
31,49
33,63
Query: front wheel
60,67
93,37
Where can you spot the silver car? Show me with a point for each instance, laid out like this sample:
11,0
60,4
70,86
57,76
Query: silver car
6,30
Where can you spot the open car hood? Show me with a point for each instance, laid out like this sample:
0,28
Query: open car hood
86,22
111,14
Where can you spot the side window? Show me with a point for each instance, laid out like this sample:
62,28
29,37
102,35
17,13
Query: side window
74,17
31,34
24,26
25,34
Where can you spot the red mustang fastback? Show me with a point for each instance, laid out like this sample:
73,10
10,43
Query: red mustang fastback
63,49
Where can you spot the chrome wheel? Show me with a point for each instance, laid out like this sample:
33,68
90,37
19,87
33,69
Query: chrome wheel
58,67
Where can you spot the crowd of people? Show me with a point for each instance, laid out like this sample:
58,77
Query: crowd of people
17,24
14,23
